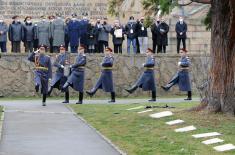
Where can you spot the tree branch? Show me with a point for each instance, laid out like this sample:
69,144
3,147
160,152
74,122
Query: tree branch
202,1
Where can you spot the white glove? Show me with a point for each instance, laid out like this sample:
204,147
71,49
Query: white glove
50,80
143,64
36,51
70,66
181,33
62,66
179,63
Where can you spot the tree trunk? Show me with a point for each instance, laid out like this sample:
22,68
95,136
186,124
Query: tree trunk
222,85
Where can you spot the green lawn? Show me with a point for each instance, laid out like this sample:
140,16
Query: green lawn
138,134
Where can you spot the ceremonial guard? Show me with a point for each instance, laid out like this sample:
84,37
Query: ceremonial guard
77,77
43,71
182,77
62,63
105,81
43,32
147,79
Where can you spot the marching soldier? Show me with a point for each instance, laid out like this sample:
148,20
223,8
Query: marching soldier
147,79
105,81
60,77
77,77
43,71
182,76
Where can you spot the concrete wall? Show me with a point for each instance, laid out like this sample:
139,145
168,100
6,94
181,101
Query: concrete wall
16,73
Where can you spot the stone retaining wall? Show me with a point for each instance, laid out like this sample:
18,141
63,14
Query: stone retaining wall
16,78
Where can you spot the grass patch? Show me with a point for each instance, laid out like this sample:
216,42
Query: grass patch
138,134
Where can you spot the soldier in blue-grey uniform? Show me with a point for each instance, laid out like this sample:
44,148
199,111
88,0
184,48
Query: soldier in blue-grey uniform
42,72
182,77
147,79
105,81
60,76
77,77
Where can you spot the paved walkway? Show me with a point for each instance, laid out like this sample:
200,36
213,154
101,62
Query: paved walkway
30,129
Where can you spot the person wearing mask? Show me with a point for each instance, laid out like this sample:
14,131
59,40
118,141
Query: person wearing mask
77,78
142,36
131,32
43,32
60,77
74,33
16,34
182,77
162,40
147,79
51,19
92,37
117,32
58,33
105,81
181,30
83,30
3,35
155,33
28,34
43,71
103,35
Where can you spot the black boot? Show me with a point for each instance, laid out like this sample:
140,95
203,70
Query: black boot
189,96
132,89
66,97
153,97
66,85
91,93
112,97
37,88
80,98
44,97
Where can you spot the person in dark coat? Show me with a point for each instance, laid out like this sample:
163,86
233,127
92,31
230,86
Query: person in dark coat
147,79
105,81
28,34
60,77
118,36
66,36
77,78
181,30
83,31
43,71
35,39
92,37
131,32
155,33
16,34
182,77
162,40
58,33
3,35
142,31
74,33
51,19
43,32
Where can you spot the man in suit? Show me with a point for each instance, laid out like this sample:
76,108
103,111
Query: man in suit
181,30
105,81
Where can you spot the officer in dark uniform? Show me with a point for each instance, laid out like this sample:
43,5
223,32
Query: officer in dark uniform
77,77
105,81
147,79
182,77
43,71
60,77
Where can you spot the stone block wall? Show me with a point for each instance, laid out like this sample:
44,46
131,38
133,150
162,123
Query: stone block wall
16,73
